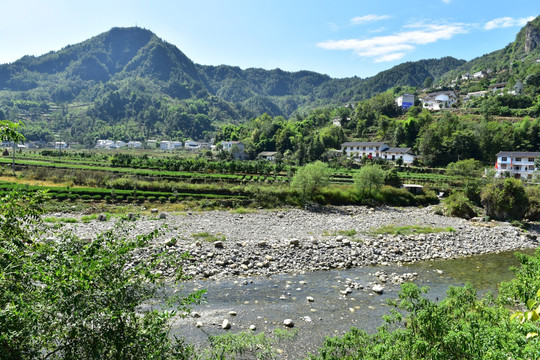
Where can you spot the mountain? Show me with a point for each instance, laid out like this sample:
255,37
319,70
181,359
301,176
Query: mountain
518,57
129,84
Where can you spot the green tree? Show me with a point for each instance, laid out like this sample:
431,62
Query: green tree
73,299
311,178
465,168
505,199
369,178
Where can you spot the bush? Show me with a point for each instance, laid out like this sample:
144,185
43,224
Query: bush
505,200
108,198
150,199
130,198
458,205
397,197
311,178
141,198
533,193
96,197
172,199
162,199
86,197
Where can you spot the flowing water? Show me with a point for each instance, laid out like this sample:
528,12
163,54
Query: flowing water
266,301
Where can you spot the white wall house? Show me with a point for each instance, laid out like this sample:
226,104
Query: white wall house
105,144
134,144
238,146
170,145
439,100
359,149
519,164
377,150
192,145
405,101
267,155
60,145
479,75
405,154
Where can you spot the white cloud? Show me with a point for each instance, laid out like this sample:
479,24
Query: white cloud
394,47
368,18
505,22
446,1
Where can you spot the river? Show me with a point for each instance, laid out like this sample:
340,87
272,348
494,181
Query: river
266,301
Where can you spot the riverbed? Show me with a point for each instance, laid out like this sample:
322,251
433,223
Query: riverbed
265,302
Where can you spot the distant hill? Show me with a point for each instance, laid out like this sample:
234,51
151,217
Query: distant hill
513,60
129,84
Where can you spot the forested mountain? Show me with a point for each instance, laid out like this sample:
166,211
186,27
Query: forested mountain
128,84
514,60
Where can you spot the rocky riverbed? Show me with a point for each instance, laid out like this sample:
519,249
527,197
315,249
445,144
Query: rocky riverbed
228,244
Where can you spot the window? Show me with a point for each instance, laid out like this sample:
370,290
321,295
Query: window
503,166
517,168
518,159
503,158
530,159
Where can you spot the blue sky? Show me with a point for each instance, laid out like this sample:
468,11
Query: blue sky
341,38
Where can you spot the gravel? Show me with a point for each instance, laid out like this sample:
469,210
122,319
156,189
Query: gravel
269,242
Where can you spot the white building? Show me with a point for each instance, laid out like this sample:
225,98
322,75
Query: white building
519,164
60,145
170,145
134,144
238,148
120,144
267,155
192,145
377,150
105,144
405,154
336,122
439,100
479,75
405,101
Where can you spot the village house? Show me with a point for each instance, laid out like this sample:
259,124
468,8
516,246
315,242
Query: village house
105,144
236,148
405,101
192,145
405,154
170,145
479,75
519,164
497,87
134,144
267,155
377,150
336,122
439,100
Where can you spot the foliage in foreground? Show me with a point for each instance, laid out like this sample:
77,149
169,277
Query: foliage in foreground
72,299
459,327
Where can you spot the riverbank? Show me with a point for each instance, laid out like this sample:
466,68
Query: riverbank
231,244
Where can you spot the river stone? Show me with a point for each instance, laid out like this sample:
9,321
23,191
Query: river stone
102,217
378,289
163,215
195,314
294,242
232,313
199,324
154,211
218,244
288,323
252,327
310,299
226,325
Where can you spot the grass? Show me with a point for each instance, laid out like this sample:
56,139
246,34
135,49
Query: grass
409,230
243,210
208,237
348,233
54,220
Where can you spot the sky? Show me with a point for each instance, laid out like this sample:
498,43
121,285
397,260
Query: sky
340,38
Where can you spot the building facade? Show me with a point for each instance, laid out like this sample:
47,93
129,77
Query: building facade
376,150
519,164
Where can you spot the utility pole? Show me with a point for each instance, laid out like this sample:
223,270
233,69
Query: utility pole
14,147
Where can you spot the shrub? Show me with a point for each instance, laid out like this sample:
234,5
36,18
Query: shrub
150,199
397,197
458,205
369,178
86,197
311,178
96,197
505,200
141,198
130,198
533,213
108,198
162,199
172,199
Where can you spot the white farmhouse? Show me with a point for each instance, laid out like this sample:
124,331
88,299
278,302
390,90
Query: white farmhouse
236,147
359,149
105,144
439,100
519,164
404,154
192,145
405,101
134,144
